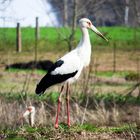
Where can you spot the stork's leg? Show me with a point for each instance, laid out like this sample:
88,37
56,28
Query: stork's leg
68,106
58,107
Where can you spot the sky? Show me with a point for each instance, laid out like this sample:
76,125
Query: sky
25,11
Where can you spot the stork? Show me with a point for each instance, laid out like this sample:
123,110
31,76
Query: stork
68,68
29,115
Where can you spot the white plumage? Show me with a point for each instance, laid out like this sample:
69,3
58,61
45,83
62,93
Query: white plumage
78,58
29,115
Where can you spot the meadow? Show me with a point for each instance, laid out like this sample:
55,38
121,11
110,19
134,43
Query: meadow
104,102
56,37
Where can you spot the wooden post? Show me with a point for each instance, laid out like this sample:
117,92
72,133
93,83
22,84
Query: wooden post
18,38
36,38
114,57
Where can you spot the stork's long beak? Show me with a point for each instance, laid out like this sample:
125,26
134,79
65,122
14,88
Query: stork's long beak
94,29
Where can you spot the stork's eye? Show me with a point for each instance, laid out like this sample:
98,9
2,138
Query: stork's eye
89,24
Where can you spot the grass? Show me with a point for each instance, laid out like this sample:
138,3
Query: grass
117,98
51,38
112,74
108,74
35,71
128,75
106,107
27,132
92,128
51,98
109,100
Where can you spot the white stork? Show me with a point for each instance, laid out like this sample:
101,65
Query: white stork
68,68
29,115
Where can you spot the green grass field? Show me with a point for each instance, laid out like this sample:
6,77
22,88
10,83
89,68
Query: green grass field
51,38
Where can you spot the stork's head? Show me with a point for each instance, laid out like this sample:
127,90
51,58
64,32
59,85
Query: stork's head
86,23
29,110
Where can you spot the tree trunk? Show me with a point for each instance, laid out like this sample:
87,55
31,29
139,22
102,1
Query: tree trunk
126,14
137,11
74,15
65,18
74,19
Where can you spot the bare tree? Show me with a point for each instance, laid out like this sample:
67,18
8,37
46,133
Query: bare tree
4,4
126,15
74,19
65,18
114,12
136,7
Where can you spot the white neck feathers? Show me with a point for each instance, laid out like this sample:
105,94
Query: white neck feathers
84,47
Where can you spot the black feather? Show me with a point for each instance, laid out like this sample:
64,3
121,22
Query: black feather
50,80
55,65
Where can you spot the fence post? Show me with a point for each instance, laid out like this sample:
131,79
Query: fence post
114,57
18,38
36,37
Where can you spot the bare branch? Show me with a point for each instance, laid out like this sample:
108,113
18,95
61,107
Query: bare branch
4,4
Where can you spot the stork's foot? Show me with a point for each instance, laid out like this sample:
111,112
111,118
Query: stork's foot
56,126
68,124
